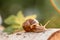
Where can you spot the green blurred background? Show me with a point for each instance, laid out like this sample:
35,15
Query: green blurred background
42,8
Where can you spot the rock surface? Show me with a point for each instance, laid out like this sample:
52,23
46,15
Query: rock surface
28,36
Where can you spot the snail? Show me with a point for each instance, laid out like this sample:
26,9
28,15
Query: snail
32,25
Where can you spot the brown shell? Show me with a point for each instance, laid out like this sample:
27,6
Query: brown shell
27,25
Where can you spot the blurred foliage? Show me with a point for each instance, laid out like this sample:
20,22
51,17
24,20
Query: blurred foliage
42,8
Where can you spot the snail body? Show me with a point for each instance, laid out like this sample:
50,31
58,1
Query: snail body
32,25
